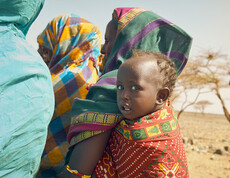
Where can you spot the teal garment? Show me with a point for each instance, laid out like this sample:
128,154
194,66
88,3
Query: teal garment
26,92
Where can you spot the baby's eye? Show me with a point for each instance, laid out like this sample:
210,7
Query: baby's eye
134,87
119,87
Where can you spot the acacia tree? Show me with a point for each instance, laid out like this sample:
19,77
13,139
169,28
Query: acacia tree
207,72
201,105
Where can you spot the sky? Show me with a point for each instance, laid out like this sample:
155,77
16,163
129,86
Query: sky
206,21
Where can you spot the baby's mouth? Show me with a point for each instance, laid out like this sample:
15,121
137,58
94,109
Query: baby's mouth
126,108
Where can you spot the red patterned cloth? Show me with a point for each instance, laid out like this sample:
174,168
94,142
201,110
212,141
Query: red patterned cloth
150,146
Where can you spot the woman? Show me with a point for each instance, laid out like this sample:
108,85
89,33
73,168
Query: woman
70,45
93,118
26,92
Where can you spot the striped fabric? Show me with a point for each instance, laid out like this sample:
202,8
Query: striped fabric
75,45
105,99
142,29
137,29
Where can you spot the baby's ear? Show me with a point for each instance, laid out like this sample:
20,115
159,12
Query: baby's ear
162,95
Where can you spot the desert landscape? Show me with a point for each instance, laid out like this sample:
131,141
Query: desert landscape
207,142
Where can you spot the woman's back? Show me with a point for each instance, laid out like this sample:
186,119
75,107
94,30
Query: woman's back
26,94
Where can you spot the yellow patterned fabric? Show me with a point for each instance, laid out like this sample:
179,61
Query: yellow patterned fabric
75,44
92,124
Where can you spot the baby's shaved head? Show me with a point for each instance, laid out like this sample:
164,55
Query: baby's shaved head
166,66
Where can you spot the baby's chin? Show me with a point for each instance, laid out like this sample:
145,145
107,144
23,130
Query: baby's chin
130,117
130,114
133,117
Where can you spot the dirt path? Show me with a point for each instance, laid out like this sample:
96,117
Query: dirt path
207,144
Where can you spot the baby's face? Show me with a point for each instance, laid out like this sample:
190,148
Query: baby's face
137,88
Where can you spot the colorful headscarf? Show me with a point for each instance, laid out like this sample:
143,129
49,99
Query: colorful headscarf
141,29
136,29
75,44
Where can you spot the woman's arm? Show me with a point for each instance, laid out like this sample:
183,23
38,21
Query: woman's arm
86,155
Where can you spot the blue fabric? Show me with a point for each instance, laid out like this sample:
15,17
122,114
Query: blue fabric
26,92
21,13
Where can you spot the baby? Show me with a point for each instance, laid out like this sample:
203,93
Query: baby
147,143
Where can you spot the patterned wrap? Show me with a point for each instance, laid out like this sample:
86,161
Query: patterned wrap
150,146
136,29
75,45
89,118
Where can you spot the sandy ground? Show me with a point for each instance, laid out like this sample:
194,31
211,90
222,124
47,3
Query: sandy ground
207,143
